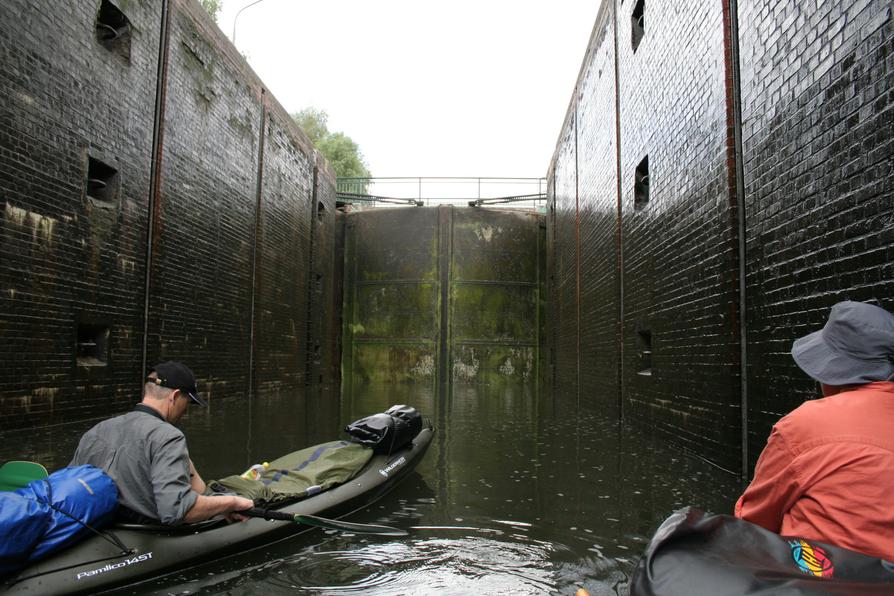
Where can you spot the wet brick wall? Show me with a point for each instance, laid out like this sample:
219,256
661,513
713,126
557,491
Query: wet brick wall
324,288
818,116
68,260
564,327
200,311
231,234
597,182
678,293
338,291
544,377
816,161
284,250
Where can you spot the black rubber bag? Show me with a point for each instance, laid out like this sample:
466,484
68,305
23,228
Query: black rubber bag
695,553
386,432
409,415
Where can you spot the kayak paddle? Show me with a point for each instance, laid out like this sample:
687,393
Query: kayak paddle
17,474
322,522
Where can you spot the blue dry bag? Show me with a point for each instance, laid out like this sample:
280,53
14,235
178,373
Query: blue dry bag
22,522
53,513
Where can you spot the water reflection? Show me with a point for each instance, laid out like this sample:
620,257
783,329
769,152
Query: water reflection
519,493
463,565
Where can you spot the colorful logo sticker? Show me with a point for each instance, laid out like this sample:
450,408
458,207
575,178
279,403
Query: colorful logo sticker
812,560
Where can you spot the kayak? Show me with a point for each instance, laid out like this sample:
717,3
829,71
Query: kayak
97,564
695,553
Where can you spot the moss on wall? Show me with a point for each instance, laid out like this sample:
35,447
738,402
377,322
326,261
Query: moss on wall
398,290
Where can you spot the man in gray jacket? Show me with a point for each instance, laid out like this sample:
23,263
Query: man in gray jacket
147,456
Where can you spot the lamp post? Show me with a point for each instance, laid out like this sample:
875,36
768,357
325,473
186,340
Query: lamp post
233,37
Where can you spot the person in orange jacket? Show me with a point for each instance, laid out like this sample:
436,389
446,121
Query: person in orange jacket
827,471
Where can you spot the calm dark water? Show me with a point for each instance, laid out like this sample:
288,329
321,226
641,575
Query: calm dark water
518,494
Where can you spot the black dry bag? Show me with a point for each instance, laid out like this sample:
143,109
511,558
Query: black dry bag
387,432
695,553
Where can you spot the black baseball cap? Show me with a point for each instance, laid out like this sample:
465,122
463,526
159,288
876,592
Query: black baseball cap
176,375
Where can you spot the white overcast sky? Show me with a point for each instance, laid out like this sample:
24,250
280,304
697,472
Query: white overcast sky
458,88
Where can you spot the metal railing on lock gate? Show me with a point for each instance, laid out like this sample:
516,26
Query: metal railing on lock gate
515,193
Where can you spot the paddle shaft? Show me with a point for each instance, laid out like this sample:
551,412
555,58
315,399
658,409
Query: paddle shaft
322,522
268,514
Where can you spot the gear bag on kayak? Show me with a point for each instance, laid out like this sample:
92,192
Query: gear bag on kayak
299,474
304,473
388,432
53,513
695,553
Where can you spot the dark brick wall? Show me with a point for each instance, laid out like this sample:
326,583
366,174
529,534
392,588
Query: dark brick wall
819,214
673,260
284,249
331,264
817,80
598,197
68,259
564,261
200,311
338,292
544,367
325,301
231,240
551,291
677,250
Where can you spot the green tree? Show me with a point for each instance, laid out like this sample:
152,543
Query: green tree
213,7
342,153
313,122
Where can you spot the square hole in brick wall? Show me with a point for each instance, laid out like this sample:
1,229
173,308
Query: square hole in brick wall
92,345
637,24
102,181
113,29
644,351
321,211
641,184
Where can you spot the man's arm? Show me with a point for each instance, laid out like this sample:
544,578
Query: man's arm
207,507
176,497
775,488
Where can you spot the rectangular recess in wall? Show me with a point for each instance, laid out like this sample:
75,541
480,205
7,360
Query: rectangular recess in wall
102,182
637,24
113,29
92,345
644,351
641,185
